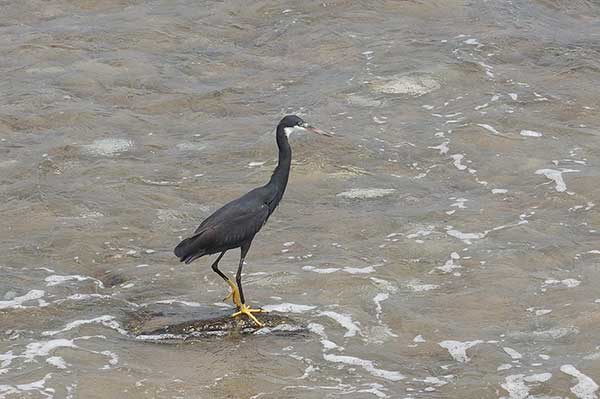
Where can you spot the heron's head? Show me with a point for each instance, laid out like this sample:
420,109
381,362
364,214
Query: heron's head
293,123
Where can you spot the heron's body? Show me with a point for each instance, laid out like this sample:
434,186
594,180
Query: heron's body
235,224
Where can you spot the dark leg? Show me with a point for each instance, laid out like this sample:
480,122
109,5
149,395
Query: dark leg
243,309
238,276
234,295
215,267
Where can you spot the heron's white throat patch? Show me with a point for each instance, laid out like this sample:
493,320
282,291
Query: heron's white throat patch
289,130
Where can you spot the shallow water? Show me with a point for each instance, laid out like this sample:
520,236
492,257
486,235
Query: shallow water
444,245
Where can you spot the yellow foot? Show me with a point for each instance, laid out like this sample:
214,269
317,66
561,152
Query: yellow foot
243,309
234,294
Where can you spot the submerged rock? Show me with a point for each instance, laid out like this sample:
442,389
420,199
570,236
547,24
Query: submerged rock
160,327
108,147
366,193
410,85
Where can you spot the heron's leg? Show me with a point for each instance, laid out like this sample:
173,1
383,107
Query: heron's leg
234,294
242,308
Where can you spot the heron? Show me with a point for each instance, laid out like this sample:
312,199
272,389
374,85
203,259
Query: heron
236,223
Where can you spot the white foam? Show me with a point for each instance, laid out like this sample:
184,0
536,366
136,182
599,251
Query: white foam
82,297
320,330
106,320
114,359
449,266
56,279
255,164
499,191
421,232
438,382
185,303
380,297
457,161
516,385
159,183
415,286
512,353
345,320
460,203
289,308
278,328
159,337
556,176
17,302
323,270
467,238
419,338
568,282
366,193
458,349
57,361
586,387
36,349
368,365
386,285
39,385
359,270
542,377
443,148
489,128
530,133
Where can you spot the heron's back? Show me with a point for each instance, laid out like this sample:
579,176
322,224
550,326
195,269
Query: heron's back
229,227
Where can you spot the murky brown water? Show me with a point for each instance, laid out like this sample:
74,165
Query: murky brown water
457,212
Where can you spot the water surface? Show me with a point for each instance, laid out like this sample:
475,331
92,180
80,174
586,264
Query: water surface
445,245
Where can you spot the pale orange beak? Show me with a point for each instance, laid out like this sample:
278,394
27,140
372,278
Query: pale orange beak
318,131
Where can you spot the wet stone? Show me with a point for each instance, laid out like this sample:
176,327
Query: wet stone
168,328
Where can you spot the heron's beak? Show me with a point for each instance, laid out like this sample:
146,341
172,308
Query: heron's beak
318,131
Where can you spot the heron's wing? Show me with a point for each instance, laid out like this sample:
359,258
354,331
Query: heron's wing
249,203
234,226
239,225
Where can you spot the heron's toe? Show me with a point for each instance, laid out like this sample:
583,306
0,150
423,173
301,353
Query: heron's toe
244,310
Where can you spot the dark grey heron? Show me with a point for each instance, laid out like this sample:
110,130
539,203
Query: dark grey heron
235,224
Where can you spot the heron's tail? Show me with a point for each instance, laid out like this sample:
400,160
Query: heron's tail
190,249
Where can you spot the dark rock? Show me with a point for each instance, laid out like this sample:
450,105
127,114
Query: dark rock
167,328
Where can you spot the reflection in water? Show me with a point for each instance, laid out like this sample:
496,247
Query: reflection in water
443,245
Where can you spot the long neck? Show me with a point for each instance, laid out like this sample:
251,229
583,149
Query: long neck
281,173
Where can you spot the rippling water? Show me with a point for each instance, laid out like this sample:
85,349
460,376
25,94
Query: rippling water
444,245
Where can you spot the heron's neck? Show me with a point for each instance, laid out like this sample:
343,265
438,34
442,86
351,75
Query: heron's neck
281,173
